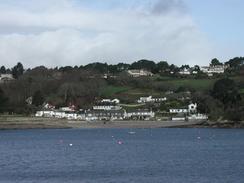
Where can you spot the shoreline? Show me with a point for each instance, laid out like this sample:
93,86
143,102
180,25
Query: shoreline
15,123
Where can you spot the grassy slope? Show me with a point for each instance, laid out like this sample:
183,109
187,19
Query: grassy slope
199,84
134,93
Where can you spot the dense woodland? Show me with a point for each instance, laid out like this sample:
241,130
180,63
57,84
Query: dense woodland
220,96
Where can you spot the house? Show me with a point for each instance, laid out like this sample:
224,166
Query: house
179,117
45,113
197,117
48,106
59,114
116,101
192,108
70,115
151,99
98,115
178,110
6,78
142,114
214,69
185,71
107,104
71,108
139,73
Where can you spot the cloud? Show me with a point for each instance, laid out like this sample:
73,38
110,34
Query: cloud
166,6
72,33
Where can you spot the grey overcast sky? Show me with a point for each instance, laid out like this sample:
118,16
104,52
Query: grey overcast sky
77,32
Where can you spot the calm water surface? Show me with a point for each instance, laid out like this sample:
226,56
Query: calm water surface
115,155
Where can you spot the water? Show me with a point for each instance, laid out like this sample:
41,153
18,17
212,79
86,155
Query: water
120,155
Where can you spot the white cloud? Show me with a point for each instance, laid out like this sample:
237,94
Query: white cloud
65,34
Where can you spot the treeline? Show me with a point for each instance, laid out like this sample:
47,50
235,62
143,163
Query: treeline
236,64
223,102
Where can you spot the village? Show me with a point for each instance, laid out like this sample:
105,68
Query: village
112,110
141,91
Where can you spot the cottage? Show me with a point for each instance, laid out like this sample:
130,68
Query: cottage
107,104
179,110
6,78
139,73
48,106
71,115
197,117
93,115
142,114
116,101
214,69
192,108
60,114
46,114
185,71
151,99
68,109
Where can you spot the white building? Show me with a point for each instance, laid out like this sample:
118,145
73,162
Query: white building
198,117
95,115
192,108
140,114
151,99
177,111
107,104
139,73
216,69
6,77
48,106
185,71
68,109
60,114
178,118
46,114
116,101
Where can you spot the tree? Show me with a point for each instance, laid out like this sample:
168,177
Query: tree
226,91
38,98
208,105
144,64
196,68
236,62
18,70
162,66
97,66
3,70
3,100
215,62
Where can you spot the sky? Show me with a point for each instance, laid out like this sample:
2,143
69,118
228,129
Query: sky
77,32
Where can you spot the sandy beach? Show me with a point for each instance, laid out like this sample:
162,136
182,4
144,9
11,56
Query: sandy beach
20,122
13,122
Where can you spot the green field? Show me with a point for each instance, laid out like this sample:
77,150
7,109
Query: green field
109,91
197,84
168,83
241,91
